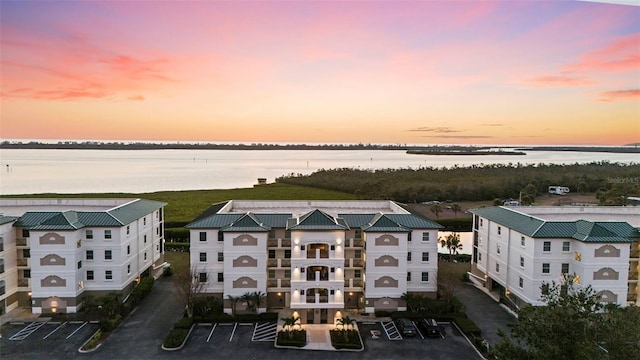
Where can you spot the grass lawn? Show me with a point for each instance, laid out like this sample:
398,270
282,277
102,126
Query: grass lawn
453,270
179,260
184,206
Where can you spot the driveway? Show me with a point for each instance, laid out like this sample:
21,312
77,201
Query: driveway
488,314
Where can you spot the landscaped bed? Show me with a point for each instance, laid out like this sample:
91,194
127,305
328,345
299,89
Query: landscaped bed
296,338
345,339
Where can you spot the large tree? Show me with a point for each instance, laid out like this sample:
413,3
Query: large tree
190,287
574,324
452,243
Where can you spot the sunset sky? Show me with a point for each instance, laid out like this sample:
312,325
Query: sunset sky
418,72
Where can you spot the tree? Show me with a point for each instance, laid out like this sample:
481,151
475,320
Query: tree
574,324
436,209
190,287
346,322
253,300
455,208
452,243
415,302
233,301
289,323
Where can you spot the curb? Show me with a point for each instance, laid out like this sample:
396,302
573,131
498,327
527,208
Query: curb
184,342
80,350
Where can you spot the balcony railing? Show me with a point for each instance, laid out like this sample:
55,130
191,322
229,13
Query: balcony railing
633,275
272,262
353,283
317,254
21,242
23,282
632,297
357,243
353,263
23,262
285,263
285,242
272,243
279,283
313,299
634,254
311,276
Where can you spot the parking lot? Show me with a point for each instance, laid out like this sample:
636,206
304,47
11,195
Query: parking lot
55,339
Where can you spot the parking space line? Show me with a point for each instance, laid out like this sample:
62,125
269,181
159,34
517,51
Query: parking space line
418,329
54,330
78,329
211,333
233,332
264,331
28,330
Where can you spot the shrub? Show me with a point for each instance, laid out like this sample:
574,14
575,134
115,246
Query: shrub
175,338
95,340
345,339
184,323
297,338
178,234
177,246
467,326
168,271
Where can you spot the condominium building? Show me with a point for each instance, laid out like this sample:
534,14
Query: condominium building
517,249
315,257
54,252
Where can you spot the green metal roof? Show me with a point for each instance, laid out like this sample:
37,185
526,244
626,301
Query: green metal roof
357,220
7,219
134,210
33,218
382,223
414,221
247,223
317,220
214,221
583,230
274,220
211,210
98,219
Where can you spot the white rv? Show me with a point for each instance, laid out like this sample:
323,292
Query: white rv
558,190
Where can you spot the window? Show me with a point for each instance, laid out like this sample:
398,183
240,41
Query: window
25,233
546,268
425,236
145,239
128,229
522,241
425,256
2,287
108,275
26,253
287,274
203,256
157,231
409,276
90,275
272,274
358,234
145,256
203,236
479,256
499,230
565,268
497,267
1,266
272,254
357,274
287,235
202,277
26,274
409,256
331,292
88,234
220,256
128,269
287,254
546,246
425,276
89,255
303,247
220,277
521,262
144,221
272,234
80,264
108,255
481,222
566,246
520,282
332,247
498,249
128,249
409,236
107,234
220,236
358,254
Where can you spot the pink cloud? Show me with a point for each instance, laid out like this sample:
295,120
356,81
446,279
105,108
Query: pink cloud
558,80
621,55
616,95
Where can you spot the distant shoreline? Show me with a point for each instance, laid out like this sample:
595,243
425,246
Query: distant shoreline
422,150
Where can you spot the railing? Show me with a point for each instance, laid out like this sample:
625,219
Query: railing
317,254
23,282
272,243
357,243
21,242
632,297
311,276
633,275
272,262
285,283
353,283
23,262
285,262
278,283
272,283
634,254
353,263
312,299
285,242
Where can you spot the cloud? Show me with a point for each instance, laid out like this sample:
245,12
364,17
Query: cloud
458,136
555,81
136,98
440,129
615,95
61,94
492,124
620,55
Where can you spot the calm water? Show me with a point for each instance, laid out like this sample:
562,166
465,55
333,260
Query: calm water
137,171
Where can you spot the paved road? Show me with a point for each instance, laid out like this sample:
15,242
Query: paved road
488,314
140,335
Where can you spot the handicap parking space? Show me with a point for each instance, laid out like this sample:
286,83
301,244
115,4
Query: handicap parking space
265,332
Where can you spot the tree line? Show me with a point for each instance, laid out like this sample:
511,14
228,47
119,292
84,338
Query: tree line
473,183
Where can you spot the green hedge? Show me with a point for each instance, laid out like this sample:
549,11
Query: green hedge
297,338
457,257
456,224
467,326
345,339
179,234
184,323
175,338
176,246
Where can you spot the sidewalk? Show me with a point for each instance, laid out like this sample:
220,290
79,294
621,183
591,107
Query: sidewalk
20,315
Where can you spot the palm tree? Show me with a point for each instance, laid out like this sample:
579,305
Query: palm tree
289,323
234,303
257,297
247,298
455,208
346,321
436,209
415,302
452,243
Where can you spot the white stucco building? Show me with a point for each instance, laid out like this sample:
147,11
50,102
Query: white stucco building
315,257
55,251
517,249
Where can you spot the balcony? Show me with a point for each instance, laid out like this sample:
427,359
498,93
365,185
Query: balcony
272,243
351,263
22,262
635,254
317,299
285,243
317,254
21,242
281,263
633,276
278,283
357,243
353,283
23,283
632,297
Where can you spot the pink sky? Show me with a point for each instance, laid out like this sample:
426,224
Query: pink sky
479,72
